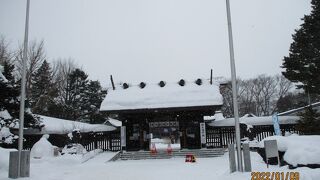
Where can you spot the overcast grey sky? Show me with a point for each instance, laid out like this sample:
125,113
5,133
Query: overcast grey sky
152,40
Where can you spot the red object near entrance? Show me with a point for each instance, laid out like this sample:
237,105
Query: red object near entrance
190,158
153,149
169,149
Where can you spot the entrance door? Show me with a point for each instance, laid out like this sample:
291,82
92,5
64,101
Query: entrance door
191,135
133,137
165,133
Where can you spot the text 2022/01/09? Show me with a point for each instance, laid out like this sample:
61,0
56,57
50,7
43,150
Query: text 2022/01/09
275,175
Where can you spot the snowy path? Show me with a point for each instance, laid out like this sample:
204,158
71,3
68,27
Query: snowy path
71,168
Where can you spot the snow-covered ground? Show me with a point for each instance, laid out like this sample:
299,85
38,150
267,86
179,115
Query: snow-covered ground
72,167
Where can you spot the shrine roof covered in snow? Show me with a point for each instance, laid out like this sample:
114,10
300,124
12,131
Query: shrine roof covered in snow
200,93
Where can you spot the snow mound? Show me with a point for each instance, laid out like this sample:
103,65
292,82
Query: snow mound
74,149
298,149
42,148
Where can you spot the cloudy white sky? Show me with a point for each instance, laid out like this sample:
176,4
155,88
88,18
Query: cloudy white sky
152,40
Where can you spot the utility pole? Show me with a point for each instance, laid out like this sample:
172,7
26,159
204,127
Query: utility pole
23,87
234,89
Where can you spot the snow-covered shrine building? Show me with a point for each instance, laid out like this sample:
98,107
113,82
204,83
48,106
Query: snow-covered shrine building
167,113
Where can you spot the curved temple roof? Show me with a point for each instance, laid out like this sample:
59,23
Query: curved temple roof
172,95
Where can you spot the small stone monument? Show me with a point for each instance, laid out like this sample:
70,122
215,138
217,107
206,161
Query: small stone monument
232,158
246,157
24,164
271,149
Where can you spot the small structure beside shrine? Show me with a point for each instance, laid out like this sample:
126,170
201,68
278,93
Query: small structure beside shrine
167,113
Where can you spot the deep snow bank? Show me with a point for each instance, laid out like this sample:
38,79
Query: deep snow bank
298,149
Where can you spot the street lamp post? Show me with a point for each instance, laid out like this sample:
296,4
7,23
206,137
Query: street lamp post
23,88
234,89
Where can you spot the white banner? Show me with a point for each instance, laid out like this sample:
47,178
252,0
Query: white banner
123,136
276,124
203,133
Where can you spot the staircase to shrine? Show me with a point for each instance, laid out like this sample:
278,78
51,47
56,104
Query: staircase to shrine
163,154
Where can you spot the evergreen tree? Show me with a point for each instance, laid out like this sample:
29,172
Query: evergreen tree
303,63
43,91
309,122
9,93
9,101
7,71
76,86
92,99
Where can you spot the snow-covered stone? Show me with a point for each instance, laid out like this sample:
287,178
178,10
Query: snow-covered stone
42,148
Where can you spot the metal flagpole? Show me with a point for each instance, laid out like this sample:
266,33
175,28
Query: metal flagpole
234,89
23,87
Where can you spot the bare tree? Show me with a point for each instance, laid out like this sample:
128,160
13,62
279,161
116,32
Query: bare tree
259,95
284,85
246,98
35,57
5,53
61,70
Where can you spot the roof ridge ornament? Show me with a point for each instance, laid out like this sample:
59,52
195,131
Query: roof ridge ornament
182,82
162,83
198,82
125,85
142,85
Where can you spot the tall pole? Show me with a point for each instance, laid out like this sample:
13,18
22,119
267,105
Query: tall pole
234,89
23,87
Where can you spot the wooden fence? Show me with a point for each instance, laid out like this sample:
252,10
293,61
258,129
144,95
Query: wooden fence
107,141
217,137
220,137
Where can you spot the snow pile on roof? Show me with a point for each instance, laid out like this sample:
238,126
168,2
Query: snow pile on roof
315,105
61,126
216,117
256,121
153,96
42,148
114,122
298,149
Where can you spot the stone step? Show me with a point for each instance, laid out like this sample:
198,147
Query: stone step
157,157
162,154
174,154
150,157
